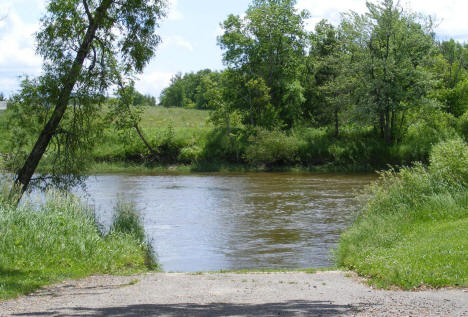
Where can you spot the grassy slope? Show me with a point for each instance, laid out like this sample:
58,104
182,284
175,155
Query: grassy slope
414,230
187,126
58,242
156,117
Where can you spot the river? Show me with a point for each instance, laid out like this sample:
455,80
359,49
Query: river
208,222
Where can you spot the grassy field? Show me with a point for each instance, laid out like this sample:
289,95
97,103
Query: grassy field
178,118
61,240
413,231
168,130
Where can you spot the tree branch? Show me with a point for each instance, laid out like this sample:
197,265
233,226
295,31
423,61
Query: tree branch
88,13
93,64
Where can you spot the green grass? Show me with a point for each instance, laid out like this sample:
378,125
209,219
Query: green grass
158,117
58,241
413,231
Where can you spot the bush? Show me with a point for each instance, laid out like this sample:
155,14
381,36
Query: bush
225,147
463,125
191,154
427,128
449,160
272,148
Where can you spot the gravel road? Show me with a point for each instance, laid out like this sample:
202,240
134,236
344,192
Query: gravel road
272,294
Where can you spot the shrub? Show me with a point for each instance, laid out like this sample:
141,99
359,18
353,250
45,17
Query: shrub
449,160
190,154
427,128
272,148
463,125
223,146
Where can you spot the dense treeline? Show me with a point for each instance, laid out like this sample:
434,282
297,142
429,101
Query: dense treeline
381,75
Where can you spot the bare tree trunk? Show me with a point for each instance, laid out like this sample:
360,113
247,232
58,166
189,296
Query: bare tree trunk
25,174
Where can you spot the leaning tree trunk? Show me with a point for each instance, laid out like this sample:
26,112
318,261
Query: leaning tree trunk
154,154
69,80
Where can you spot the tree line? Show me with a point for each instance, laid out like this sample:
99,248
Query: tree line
381,69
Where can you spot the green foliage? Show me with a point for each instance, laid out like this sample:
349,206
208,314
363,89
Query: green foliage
449,69
426,127
66,156
463,125
59,240
449,160
272,148
82,58
122,110
389,47
269,44
188,90
410,231
127,220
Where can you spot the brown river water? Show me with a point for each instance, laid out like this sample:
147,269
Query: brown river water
208,222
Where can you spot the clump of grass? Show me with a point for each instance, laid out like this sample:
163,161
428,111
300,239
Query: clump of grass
412,231
59,240
127,221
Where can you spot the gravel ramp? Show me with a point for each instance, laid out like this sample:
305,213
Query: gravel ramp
252,294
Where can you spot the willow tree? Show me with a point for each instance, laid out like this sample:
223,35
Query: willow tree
88,47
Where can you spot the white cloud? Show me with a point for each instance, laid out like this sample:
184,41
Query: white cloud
330,9
17,53
153,83
8,85
176,40
174,13
451,15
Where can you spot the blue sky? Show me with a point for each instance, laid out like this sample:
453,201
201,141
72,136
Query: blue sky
189,34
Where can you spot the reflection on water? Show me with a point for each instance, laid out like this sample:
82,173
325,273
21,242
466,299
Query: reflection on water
236,221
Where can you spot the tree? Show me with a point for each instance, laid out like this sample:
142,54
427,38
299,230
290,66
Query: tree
334,79
450,69
174,95
390,48
88,46
269,43
187,90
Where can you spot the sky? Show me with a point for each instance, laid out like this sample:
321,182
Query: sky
189,34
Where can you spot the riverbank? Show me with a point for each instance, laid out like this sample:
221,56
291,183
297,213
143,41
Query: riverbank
60,240
412,232
109,167
254,294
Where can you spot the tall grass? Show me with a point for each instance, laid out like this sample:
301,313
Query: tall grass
413,229
58,240
128,221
